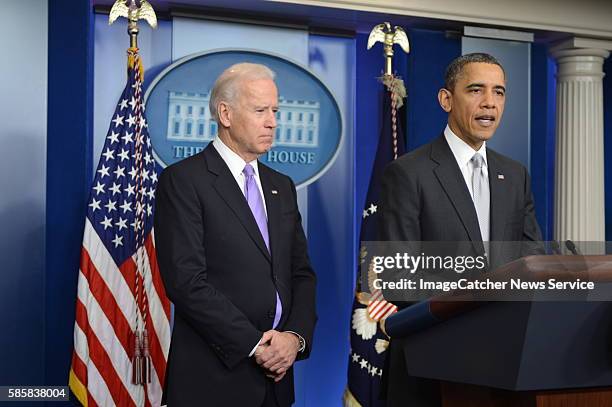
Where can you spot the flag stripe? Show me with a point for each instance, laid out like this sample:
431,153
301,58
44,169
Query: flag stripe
376,295
90,401
115,357
380,307
121,288
91,381
157,354
384,310
107,372
157,303
375,306
81,349
107,303
162,327
158,350
147,402
154,389
156,276
98,395
155,314
79,368
387,310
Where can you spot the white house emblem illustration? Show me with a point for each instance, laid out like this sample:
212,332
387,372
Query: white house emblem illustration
189,120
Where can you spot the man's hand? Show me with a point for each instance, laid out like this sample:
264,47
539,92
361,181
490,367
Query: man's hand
263,342
277,355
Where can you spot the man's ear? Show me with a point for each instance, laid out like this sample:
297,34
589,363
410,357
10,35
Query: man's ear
445,98
223,110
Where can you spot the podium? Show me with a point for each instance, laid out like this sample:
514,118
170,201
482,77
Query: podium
531,354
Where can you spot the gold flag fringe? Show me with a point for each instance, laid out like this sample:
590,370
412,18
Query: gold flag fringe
350,400
132,59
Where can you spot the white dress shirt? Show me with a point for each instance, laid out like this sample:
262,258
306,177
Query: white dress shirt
463,154
236,165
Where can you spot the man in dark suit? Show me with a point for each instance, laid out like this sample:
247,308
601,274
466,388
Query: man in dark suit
233,257
456,189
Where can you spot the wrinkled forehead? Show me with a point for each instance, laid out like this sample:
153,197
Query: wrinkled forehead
257,91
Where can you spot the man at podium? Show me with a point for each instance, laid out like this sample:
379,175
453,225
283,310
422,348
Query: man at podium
456,188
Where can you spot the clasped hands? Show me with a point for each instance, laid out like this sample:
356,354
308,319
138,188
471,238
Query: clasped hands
276,353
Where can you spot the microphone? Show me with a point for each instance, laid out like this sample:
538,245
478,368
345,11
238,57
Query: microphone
572,248
555,247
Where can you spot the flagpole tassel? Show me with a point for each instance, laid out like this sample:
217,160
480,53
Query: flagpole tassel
146,356
134,61
131,52
136,360
396,86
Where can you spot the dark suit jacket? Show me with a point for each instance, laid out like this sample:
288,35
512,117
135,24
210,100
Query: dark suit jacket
424,198
222,280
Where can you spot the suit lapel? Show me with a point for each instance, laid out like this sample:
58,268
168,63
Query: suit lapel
273,208
498,187
453,183
227,188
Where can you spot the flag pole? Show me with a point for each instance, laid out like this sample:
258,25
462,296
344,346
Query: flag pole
122,319
141,359
394,84
133,27
368,339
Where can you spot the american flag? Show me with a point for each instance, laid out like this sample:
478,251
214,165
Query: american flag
120,291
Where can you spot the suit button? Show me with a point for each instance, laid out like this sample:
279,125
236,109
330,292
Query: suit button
271,314
275,276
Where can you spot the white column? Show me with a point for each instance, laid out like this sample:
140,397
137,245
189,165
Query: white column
579,164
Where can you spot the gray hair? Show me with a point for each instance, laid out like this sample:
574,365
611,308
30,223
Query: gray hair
455,68
226,87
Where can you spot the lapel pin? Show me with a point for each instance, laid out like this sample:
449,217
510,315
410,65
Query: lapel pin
274,192
500,176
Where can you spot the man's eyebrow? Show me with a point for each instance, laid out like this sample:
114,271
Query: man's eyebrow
264,106
481,85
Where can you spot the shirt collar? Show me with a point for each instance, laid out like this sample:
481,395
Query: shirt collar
461,150
234,161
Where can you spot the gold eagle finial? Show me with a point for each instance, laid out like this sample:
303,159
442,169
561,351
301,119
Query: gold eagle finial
133,13
383,33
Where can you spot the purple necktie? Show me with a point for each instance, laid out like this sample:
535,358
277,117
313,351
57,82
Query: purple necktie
255,201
